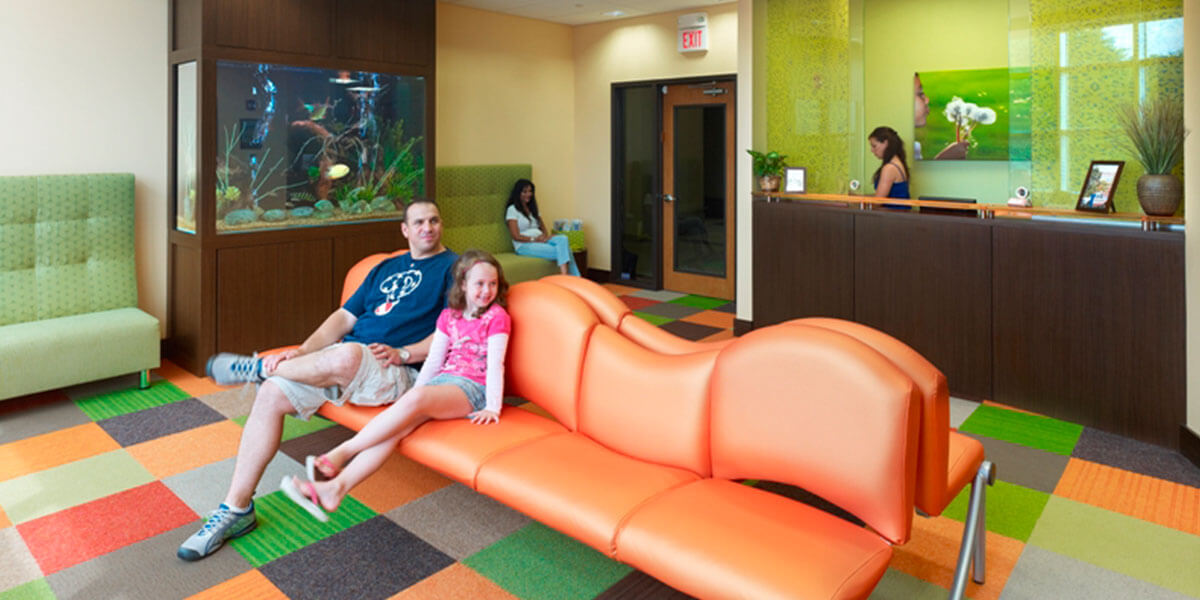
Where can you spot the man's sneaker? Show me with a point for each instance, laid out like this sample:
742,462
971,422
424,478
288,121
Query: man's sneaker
223,524
232,369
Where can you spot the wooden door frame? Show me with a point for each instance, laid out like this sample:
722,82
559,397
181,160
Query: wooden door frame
616,206
683,281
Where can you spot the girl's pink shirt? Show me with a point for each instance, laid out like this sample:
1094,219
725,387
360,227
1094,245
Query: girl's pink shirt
467,352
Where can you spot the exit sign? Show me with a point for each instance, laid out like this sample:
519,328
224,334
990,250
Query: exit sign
693,32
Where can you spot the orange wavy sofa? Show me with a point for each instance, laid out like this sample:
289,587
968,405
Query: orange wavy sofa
646,450
946,460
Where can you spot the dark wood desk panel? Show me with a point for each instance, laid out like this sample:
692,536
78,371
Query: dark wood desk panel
927,280
803,263
1089,326
1086,321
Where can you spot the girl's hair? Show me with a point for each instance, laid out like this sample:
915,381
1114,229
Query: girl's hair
894,147
514,199
456,298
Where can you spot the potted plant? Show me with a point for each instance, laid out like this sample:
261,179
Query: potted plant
1155,131
768,168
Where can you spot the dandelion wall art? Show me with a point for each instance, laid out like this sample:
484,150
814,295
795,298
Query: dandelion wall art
963,115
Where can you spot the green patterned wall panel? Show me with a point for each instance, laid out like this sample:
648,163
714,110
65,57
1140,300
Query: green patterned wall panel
808,88
1089,58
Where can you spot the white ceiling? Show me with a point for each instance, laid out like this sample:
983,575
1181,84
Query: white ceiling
580,12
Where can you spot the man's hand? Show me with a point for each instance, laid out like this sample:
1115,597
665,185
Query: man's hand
271,362
483,417
385,354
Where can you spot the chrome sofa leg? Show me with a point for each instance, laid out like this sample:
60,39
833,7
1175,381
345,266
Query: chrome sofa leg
144,379
972,553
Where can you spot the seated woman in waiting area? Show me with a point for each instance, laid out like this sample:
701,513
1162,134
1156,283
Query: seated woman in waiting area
529,234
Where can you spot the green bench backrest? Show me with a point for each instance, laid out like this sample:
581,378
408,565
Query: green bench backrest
66,245
472,200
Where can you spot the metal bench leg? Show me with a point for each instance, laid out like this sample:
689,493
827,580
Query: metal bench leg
144,379
972,553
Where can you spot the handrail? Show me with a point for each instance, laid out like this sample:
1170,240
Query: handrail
985,211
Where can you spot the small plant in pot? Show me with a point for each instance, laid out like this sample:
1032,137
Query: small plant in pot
768,167
1155,131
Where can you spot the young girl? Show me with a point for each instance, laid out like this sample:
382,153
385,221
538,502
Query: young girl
463,376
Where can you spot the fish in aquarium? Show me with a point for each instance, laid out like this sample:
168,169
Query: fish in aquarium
316,112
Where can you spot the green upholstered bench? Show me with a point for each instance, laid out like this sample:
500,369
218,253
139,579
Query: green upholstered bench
472,200
68,283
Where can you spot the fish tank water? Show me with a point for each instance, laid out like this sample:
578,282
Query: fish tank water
304,147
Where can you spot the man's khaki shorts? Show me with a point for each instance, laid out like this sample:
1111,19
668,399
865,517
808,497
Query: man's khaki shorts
373,385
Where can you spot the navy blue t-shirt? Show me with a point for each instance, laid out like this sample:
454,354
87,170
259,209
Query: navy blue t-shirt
400,300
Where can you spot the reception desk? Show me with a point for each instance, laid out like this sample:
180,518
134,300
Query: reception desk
1081,322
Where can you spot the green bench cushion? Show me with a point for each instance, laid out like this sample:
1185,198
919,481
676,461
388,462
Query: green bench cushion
53,353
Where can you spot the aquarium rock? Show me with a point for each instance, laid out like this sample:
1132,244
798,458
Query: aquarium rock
240,217
275,214
302,212
323,206
382,204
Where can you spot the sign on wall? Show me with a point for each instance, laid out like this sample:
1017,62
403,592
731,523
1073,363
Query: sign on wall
693,32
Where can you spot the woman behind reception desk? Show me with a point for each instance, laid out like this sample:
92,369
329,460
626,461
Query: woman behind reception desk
891,178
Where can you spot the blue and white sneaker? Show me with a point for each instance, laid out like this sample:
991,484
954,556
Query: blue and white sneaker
231,369
222,524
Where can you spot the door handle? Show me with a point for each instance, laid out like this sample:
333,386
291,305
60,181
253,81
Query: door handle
668,198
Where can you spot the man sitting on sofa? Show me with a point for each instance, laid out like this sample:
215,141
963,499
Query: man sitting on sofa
363,353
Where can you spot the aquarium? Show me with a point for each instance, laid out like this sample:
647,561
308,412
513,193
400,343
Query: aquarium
303,147
185,147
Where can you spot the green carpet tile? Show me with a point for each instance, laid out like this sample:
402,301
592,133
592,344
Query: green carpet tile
59,488
539,563
37,589
653,319
1012,510
700,302
1034,431
1163,556
284,527
293,427
109,405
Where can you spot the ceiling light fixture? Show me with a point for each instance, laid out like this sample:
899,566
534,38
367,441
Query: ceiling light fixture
615,13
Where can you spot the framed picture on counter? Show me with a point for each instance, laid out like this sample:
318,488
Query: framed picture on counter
793,180
1099,186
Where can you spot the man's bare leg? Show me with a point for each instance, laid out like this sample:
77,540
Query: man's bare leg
334,365
260,440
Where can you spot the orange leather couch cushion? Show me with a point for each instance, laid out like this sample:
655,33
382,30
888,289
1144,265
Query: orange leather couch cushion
823,411
946,460
550,331
659,340
457,447
607,306
575,485
715,539
644,404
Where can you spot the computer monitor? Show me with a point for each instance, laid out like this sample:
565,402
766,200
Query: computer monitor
965,211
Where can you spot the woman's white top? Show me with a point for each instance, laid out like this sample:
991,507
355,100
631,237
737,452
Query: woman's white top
527,226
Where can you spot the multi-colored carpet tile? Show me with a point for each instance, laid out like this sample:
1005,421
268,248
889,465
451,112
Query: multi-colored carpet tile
100,483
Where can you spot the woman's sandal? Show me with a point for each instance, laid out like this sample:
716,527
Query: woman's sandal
312,504
321,463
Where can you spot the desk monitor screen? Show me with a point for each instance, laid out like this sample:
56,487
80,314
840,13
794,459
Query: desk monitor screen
965,211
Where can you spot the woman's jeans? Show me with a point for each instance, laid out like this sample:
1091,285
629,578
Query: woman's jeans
557,249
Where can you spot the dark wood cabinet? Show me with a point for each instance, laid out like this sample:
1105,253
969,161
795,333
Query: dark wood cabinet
243,292
1079,322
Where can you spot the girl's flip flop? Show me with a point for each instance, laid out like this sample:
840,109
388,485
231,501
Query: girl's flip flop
310,503
312,463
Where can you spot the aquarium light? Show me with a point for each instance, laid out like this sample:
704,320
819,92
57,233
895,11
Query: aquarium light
363,88
342,80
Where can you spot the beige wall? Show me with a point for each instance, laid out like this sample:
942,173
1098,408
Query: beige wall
85,91
505,94
1191,168
630,50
